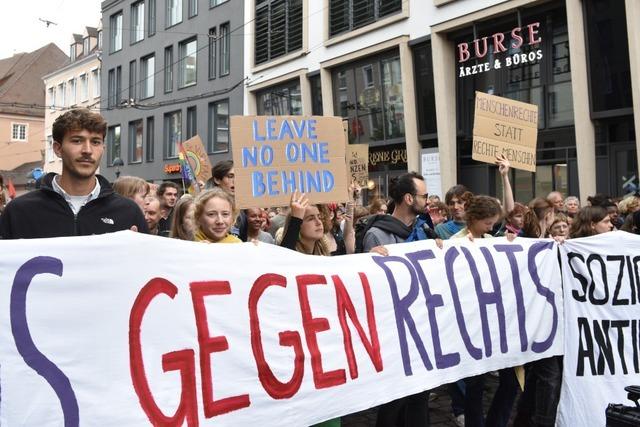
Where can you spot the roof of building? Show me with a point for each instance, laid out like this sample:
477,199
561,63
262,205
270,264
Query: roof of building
77,38
92,32
21,84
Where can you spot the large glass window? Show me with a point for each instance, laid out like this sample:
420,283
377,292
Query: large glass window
135,141
608,55
168,69
152,17
280,100
137,22
218,127
369,95
316,95
347,15
148,72
84,87
193,8
278,28
192,122
225,49
212,53
188,63
72,92
172,133
115,31
173,12
425,91
151,131
95,76
133,79
62,96
113,144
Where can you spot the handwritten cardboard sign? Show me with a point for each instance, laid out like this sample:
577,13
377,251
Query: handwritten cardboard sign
275,156
359,163
505,126
198,158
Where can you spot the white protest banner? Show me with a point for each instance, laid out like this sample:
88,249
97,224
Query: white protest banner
602,325
179,332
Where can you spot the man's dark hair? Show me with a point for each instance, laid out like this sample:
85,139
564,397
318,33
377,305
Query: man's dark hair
78,119
163,187
221,169
456,191
402,185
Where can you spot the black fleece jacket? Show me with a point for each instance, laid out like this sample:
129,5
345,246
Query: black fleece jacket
45,213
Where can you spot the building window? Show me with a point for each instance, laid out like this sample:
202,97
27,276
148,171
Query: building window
148,72
425,90
18,132
114,87
95,76
188,63
316,95
115,30
150,138
52,98
281,100
50,155
225,49
152,17
133,79
193,8
218,140
85,46
213,3
173,12
278,28
135,141
348,15
137,22
84,87
608,56
369,95
61,96
72,52
72,92
212,53
100,40
168,69
113,144
172,134
192,122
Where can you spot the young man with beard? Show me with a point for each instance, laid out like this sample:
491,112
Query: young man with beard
409,195
77,202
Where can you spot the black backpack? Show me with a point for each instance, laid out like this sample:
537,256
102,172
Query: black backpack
361,227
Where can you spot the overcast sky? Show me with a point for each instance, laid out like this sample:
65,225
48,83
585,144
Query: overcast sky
21,31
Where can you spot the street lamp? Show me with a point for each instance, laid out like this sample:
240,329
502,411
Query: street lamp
117,162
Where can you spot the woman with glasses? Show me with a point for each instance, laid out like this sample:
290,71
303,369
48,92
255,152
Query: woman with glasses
214,215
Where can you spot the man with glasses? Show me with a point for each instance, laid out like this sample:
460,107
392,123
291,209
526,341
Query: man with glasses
409,198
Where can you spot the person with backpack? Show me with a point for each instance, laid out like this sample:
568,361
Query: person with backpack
407,223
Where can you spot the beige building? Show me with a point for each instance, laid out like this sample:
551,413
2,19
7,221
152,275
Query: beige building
75,85
22,101
392,70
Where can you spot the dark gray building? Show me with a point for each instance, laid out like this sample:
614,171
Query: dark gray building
168,73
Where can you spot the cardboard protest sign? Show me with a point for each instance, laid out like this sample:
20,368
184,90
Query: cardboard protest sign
505,126
197,157
286,339
602,326
358,155
275,156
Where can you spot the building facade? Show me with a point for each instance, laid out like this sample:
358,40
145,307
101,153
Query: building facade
22,111
391,69
171,70
75,85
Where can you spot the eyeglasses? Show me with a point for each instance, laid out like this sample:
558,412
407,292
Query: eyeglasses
424,196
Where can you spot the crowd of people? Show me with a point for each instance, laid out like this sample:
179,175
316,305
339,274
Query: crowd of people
80,202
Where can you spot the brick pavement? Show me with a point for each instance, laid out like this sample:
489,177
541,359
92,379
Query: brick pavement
439,408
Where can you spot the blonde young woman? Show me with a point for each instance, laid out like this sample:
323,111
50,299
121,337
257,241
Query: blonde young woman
133,188
214,216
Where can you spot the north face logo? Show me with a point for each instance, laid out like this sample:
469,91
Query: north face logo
107,220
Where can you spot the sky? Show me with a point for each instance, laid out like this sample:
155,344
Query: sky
21,31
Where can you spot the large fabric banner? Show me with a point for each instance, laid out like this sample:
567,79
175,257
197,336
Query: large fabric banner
130,329
602,325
